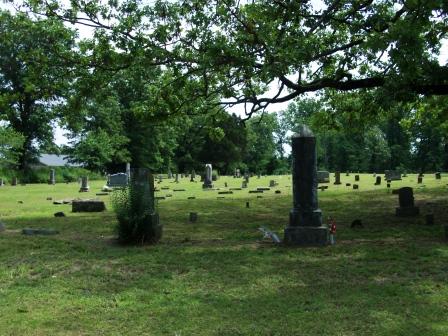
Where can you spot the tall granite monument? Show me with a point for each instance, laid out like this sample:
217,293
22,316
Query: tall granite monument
305,218
208,176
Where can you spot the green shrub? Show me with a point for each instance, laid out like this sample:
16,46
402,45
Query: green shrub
138,221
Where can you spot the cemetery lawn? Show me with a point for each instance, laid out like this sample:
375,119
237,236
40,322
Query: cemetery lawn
218,276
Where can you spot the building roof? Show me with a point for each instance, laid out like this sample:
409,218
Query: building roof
53,160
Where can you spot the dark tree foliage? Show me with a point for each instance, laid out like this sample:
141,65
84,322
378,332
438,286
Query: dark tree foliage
33,77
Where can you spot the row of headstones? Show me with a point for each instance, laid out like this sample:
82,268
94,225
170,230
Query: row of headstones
52,180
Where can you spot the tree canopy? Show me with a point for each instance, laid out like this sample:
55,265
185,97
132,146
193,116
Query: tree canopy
234,51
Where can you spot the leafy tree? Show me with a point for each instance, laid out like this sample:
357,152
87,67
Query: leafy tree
261,146
10,142
33,77
234,51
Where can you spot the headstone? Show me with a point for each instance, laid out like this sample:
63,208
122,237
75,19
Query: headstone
392,175
89,205
193,217
337,177
191,178
356,178
225,184
177,178
208,177
14,181
243,184
438,176
305,219
119,180
128,171
246,178
355,186
419,180
52,179
44,232
238,173
323,176
406,201
170,174
193,174
2,183
272,183
84,184
388,185
347,174
378,180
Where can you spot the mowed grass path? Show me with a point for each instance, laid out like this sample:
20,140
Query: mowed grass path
216,276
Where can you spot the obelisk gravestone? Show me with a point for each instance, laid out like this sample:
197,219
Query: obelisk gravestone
305,219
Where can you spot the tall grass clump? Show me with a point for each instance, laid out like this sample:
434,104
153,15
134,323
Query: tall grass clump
134,206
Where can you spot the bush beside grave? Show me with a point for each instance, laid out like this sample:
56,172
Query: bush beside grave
138,221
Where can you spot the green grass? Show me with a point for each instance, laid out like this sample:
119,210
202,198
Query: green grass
216,276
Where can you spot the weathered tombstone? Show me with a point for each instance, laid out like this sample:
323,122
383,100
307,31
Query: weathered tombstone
272,183
238,173
323,176
170,174
160,178
337,177
208,177
392,175
142,185
419,180
84,184
356,178
176,178
193,174
246,178
52,179
305,219
406,201
119,180
193,217
89,205
438,176
2,183
244,184
225,184
355,186
128,171
14,181
378,180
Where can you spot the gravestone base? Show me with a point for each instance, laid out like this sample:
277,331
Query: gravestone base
407,211
306,235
